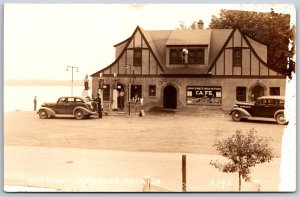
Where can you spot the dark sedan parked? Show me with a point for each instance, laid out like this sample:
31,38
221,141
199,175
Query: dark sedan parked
265,106
78,106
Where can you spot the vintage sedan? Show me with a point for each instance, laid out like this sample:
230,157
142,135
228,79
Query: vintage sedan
77,106
265,106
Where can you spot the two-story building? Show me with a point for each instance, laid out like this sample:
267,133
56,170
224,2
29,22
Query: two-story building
175,69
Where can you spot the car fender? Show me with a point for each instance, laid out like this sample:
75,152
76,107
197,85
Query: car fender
84,110
244,113
278,111
50,111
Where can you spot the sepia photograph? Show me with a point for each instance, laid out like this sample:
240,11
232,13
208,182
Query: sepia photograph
149,98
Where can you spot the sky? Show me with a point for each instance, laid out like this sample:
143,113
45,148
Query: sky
41,40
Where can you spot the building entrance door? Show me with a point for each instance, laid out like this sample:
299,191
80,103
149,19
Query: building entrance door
257,91
170,97
120,98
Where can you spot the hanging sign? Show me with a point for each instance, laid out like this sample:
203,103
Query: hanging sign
207,95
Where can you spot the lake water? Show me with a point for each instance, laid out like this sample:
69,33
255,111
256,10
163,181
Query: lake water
21,97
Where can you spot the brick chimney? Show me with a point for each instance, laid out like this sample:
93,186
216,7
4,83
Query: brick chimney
200,24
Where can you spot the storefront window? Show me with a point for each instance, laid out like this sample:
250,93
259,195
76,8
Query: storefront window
241,93
204,95
106,92
152,90
136,90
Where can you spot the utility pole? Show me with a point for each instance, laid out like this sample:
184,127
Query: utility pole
72,67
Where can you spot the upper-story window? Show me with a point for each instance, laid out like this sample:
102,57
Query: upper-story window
137,57
237,57
194,56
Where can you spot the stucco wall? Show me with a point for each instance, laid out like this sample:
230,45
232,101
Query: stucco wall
228,89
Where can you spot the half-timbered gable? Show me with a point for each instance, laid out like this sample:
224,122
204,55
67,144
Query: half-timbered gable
173,69
135,56
241,56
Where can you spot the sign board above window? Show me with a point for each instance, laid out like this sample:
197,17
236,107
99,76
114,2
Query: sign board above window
204,95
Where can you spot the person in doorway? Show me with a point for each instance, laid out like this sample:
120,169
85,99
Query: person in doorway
121,99
99,105
35,103
136,100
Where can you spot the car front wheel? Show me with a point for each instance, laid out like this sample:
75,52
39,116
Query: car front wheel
236,116
280,119
79,114
43,114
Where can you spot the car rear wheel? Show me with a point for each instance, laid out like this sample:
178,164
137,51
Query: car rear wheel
280,119
236,116
79,114
43,114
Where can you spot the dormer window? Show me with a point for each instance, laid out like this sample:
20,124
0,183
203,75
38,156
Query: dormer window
137,57
194,56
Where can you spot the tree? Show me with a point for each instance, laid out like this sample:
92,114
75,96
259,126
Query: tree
270,28
244,151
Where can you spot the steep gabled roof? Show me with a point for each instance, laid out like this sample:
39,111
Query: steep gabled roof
189,37
215,39
218,39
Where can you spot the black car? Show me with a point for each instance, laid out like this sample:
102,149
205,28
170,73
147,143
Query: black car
78,106
265,106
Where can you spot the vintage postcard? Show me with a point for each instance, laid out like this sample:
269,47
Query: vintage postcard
149,98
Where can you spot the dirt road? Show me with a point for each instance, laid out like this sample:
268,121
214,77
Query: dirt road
115,153
160,133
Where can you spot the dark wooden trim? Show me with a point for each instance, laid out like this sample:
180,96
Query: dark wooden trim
120,56
148,45
110,70
233,40
118,67
251,48
133,42
142,62
215,69
232,62
242,63
241,41
137,48
190,45
250,62
220,52
224,62
122,42
149,63
196,76
125,61
141,42
237,48
156,68
258,67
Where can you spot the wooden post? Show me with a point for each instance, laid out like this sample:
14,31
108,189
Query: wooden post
184,173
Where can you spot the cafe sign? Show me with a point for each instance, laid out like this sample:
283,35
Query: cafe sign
204,95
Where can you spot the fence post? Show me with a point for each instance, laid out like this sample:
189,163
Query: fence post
184,173
147,184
